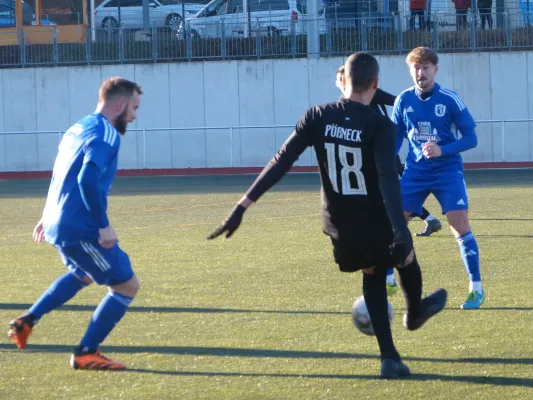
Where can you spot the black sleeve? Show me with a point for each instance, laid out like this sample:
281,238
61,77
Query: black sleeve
389,183
282,162
383,97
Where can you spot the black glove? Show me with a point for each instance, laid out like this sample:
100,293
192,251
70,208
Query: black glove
230,224
401,247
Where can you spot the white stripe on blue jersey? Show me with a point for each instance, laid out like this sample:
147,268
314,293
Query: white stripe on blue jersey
460,104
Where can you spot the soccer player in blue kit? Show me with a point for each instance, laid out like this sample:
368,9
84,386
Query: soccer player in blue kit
425,114
75,221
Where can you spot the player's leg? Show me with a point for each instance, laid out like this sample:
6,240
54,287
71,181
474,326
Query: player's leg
453,197
415,191
375,293
418,310
414,194
59,292
469,251
110,267
354,257
432,224
392,287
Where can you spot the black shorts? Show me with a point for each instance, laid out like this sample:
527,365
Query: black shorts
356,255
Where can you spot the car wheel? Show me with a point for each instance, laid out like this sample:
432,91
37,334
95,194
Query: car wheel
195,34
174,21
110,24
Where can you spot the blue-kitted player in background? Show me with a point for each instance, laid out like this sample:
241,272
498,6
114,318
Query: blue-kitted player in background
425,115
75,221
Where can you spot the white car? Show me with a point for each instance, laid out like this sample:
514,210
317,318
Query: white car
162,13
267,17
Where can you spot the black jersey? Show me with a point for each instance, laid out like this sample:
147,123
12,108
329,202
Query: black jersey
381,100
356,151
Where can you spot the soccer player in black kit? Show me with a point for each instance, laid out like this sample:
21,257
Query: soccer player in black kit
362,208
379,103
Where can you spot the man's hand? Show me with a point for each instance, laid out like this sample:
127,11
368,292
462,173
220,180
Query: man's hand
431,150
108,237
230,224
401,247
38,232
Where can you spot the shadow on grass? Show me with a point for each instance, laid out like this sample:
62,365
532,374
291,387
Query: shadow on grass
194,310
256,353
201,310
483,235
483,380
501,219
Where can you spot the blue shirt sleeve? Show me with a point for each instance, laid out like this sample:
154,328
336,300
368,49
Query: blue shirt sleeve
466,126
98,152
397,118
92,195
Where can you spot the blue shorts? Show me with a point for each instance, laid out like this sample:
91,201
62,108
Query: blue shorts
104,266
449,189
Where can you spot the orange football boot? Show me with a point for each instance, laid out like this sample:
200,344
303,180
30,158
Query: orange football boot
95,361
19,332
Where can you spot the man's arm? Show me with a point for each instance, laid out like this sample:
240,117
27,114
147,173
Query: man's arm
383,97
466,125
389,185
97,157
92,195
280,164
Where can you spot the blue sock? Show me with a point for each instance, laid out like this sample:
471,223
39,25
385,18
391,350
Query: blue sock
108,313
59,292
390,275
470,255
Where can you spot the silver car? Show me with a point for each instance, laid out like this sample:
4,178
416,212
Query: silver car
129,13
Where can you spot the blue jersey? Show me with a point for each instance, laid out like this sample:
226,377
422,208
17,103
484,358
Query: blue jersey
432,120
66,220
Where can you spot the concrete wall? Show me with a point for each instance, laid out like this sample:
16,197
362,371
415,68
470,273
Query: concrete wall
243,93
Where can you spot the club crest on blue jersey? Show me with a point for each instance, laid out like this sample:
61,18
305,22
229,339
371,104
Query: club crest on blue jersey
440,110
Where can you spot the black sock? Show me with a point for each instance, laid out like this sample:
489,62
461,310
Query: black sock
425,214
410,278
375,292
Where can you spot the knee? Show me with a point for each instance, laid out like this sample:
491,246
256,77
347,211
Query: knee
129,288
86,280
458,222
460,227
369,271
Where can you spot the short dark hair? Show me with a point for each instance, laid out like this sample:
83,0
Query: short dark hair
422,55
117,86
361,71
340,70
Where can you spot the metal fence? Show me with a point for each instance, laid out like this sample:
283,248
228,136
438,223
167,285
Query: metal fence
268,38
236,146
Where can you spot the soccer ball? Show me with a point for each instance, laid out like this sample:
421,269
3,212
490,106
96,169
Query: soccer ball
361,318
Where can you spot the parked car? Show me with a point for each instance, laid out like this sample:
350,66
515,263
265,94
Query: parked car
349,14
7,15
267,17
129,13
